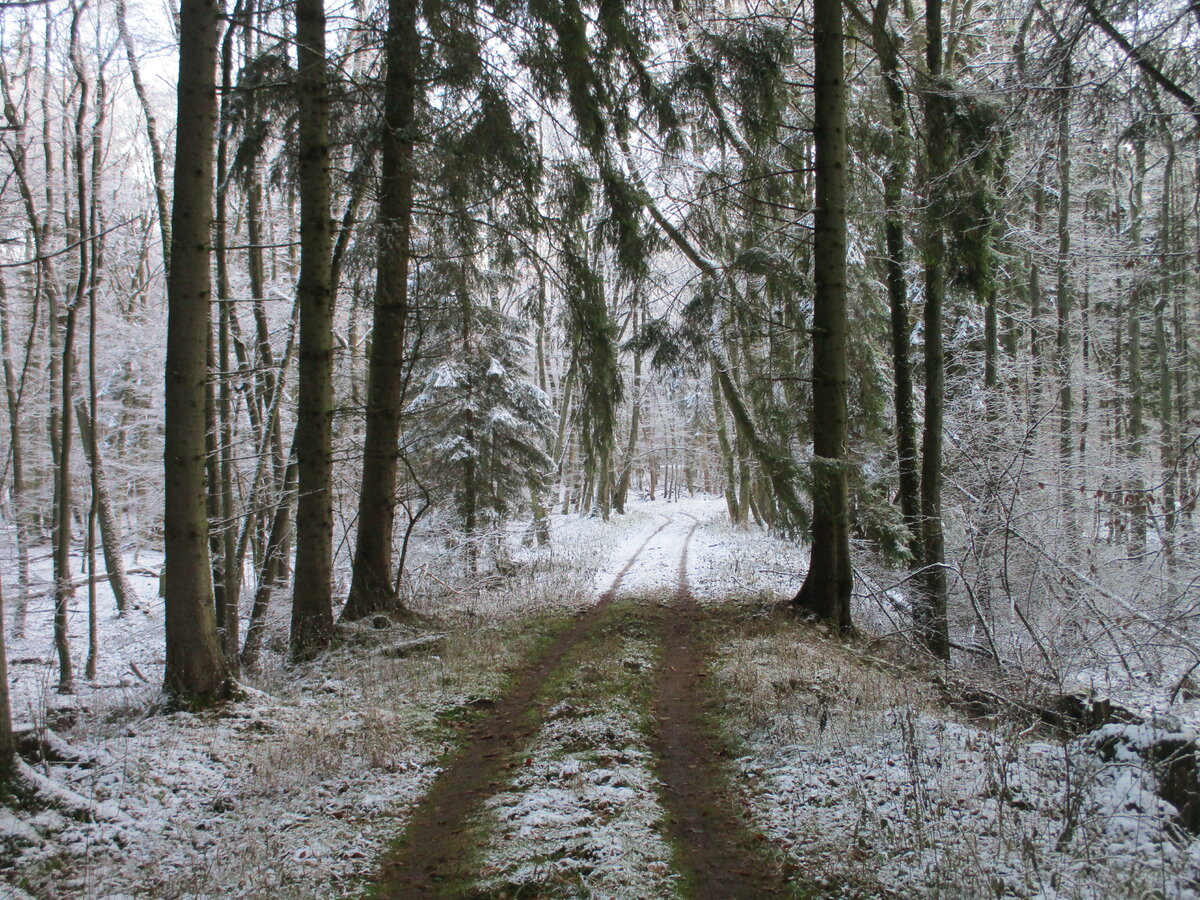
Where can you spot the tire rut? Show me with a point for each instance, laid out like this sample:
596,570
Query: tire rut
720,858
430,859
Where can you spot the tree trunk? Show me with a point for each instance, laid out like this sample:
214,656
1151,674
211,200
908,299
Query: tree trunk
63,588
635,418
227,575
8,748
1137,427
929,612
95,267
1166,382
774,461
604,478
1184,288
156,154
991,349
731,496
17,490
53,296
110,526
1063,302
271,569
827,586
371,587
312,600
1036,350
893,199
195,673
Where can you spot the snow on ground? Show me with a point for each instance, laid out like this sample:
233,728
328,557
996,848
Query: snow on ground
657,566
634,530
929,807
862,778
869,785
284,794
581,816
725,561
851,767
291,792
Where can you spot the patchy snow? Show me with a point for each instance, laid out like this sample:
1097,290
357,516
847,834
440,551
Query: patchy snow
872,790
294,791
265,797
927,806
582,814
726,562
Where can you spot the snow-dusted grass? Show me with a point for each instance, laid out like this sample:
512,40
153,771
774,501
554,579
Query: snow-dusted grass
295,790
851,766
580,562
581,816
290,793
873,788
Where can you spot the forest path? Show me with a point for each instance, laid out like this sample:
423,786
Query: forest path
714,855
721,859
430,859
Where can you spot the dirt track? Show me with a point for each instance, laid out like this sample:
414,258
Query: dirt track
717,857
720,858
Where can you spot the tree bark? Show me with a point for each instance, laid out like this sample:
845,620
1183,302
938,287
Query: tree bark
63,587
156,153
8,748
371,587
827,586
17,490
929,612
95,267
1137,427
110,527
635,418
1063,304
1162,347
227,574
271,569
196,673
727,467
312,600
895,175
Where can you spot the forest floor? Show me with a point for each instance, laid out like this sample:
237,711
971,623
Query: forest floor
630,714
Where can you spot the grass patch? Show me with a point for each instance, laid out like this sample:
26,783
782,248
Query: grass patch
583,788
761,677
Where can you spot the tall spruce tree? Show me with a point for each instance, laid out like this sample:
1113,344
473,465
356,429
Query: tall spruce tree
195,673
371,586
930,609
828,583
312,602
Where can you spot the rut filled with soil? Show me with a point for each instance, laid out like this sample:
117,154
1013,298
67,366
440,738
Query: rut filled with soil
721,859
430,859
717,857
